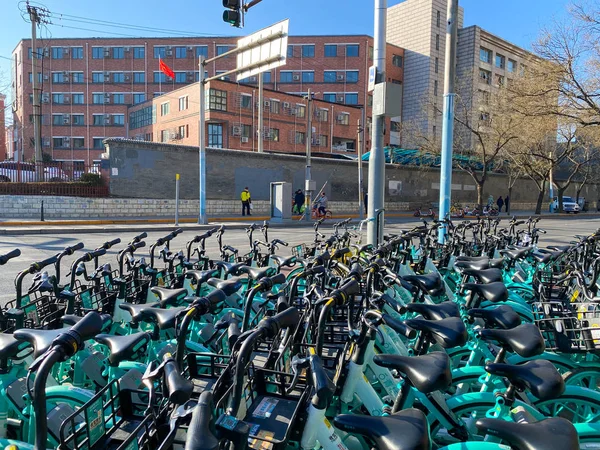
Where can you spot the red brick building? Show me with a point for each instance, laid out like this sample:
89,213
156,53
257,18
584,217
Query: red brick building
3,147
232,120
88,84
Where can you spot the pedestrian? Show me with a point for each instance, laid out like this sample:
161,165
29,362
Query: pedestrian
322,204
500,203
298,201
366,199
246,201
506,201
490,201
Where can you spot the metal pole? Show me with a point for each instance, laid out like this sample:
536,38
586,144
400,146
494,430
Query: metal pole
176,199
360,173
202,147
377,156
551,187
448,116
37,128
307,187
261,105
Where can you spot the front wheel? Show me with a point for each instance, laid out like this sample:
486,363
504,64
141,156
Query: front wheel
327,215
577,405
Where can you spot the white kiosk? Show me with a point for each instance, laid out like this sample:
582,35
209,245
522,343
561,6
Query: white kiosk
281,201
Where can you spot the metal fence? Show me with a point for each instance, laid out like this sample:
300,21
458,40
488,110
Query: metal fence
59,188
55,171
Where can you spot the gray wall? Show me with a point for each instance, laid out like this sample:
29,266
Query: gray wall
147,170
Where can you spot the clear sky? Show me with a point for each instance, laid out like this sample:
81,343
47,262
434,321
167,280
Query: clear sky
517,21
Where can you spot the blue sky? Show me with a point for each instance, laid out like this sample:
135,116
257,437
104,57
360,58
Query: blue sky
515,20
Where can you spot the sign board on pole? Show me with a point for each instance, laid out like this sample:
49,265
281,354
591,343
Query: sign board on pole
265,50
372,78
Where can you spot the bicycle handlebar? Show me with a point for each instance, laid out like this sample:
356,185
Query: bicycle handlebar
38,266
109,244
10,255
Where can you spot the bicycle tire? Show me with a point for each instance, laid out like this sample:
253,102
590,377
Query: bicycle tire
585,401
588,377
328,214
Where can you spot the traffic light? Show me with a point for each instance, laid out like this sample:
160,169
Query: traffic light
233,13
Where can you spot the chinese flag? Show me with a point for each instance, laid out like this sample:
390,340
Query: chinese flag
165,69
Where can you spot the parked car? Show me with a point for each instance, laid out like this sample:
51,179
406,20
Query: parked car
569,205
24,172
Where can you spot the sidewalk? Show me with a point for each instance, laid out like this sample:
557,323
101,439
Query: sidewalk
24,227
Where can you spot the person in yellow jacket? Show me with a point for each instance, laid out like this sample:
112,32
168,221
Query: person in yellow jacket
246,200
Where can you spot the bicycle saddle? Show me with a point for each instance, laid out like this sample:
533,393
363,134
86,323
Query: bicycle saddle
560,248
229,268
404,430
229,286
490,275
493,292
479,264
283,261
516,253
502,316
72,319
168,296
41,340
472,258
449,332
542,257
554,433
430,283
164,318
123,348
435,311
9,346
135,309
201,276
525,340
256,273
427,373
539,376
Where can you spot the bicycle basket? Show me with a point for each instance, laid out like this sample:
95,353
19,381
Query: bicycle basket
42,311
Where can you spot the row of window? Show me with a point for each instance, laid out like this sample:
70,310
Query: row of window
98,98
485,76
72,142
329,50
79,119
501,62
329,76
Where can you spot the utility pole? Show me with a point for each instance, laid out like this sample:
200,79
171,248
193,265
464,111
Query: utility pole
308,181
37,116
448,116
261,105
202,145
377,156
360,172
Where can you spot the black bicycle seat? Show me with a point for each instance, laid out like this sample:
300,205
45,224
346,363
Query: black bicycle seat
284,261
201,276
9,346
472,258
168,296
164,318
135,309
256,273
542,257
427,373
229,268
435,311
553,433
72,319
502,316
404,430
41,340
430,283
490,275
560,248
449,332
123,348
516,253
492,292
480,264
524,340
539,376
229,286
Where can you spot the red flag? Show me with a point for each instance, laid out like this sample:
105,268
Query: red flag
165,69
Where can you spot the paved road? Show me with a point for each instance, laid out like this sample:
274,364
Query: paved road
38,247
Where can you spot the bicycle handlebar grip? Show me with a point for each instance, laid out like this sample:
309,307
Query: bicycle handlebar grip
199,436
356,269
10,255
177,231
74,248
341,294
268,282
96,253
179,388
340,252
315,270
215,297
139,244
520,222
398,326
279,241
41,264
72,340
113,242
323,387
140,236
285,319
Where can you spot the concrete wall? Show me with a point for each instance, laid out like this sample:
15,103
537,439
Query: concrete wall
147,170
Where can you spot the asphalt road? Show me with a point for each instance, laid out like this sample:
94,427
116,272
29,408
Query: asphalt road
38,247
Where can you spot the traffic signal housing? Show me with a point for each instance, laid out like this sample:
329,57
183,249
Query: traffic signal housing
233,14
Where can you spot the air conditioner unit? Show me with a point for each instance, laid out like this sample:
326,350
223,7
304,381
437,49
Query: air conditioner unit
45,98
296,77
127,77
46,77
286,104
244,139
66,99
46,142
107,52
106,100
66,79
267,104
293,111
340,99
252,79
66,141
66,50
169,53
107,120
341,117
127,49
236,130
340,77
66,119
190,48
168,47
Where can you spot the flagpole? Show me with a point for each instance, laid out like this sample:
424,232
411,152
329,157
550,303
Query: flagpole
159,77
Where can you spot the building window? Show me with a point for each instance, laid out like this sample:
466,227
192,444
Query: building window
397,60
159,52
139,52
58,99
164,108
39,77
97,52
97,77
511,66
485,76
98,98
485,97
437,64
180,77
58,77
118,119
58,142
352,76
139,98
500,61
246,131
142,117
246,101
300,111
438,19
217,100
266,77
485,55
98,119
183,103
343,119
286,77
160,77
300,137
500,80
77,77
222,49
119,99
98,143
321,141
522,69
274,106
78,119
308,77
437,41
164,135
215,135
118,53
182,132
370,100
118,77
202,50
78,142
435,87
77,99
274,134
330,50
290,51
139,77
308,51
180,52
329,76
329,97
434,132
77,52
57,53
351,99
57,119
322,114
352,50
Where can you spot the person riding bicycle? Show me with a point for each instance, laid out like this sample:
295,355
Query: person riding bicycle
322,204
